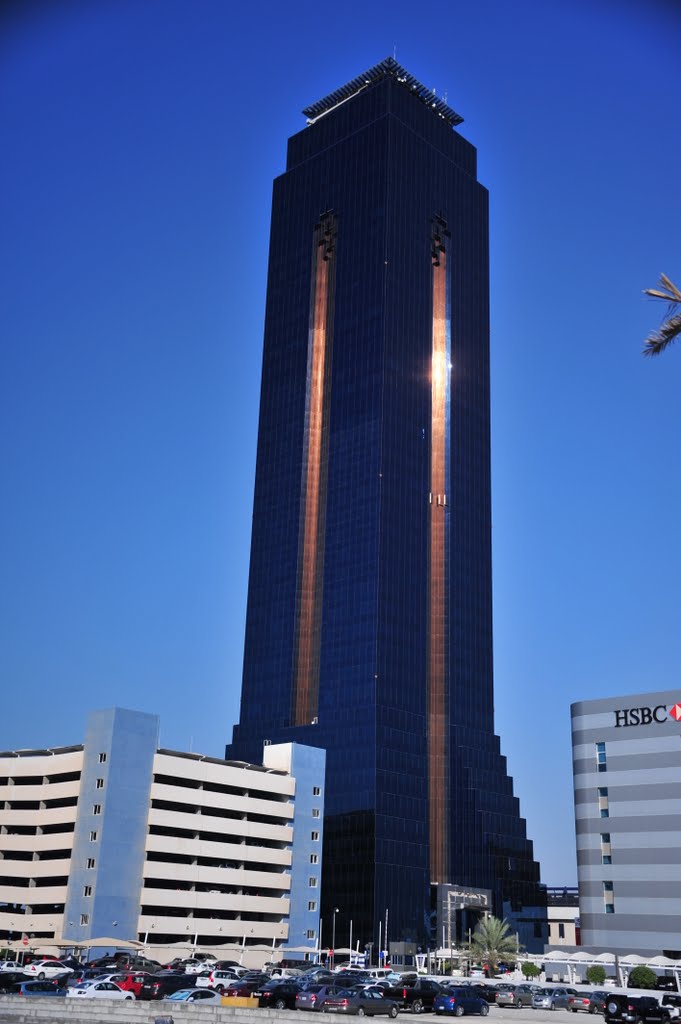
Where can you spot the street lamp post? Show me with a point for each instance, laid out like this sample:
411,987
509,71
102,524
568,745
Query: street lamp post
333,938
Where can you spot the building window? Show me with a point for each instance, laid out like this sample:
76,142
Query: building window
561,930
310,933
609,897
312,905
606,849
97,809
601,758
606,858
100,783
603,804
315,812
312,882
93,837
316,791
91,862
314,836
314,858
102,758
84,919
87,890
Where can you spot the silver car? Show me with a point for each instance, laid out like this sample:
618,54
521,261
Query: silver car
520,995
552,999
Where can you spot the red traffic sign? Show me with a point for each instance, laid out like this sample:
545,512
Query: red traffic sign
25,941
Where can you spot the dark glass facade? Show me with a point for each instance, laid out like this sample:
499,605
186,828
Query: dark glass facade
369,621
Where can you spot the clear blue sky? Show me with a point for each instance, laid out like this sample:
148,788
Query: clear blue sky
139,142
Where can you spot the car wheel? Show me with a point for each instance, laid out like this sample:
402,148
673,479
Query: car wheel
393,1011
279,1004
360,1011
484,1010
458,1012
41,975
613,1009
416,1006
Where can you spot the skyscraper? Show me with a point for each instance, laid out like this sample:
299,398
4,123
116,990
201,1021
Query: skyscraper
369,621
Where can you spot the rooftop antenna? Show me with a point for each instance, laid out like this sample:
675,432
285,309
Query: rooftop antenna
394,51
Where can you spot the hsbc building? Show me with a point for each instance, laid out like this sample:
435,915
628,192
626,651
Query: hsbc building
626,754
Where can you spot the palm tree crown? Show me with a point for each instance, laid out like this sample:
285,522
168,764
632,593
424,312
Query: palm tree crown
492,941
670,329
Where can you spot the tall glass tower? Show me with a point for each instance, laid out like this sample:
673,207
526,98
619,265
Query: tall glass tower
369,622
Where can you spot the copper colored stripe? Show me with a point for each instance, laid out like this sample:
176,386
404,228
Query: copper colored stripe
310,574
437,718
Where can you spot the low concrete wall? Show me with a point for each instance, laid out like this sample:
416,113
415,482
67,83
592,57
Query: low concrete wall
18,1010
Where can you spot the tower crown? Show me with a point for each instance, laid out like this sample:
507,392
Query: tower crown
388,68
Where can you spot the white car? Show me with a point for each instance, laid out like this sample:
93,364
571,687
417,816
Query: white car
194,966
219,980
194,995
46,969
98,990
11,965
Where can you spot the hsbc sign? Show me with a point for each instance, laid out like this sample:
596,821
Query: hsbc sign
645,716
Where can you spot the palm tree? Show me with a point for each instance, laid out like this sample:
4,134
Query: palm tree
670,328
493,941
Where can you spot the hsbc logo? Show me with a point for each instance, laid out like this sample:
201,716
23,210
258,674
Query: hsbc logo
645,716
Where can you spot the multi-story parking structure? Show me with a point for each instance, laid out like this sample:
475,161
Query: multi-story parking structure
118,838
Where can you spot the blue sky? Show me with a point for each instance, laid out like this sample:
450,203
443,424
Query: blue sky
139,145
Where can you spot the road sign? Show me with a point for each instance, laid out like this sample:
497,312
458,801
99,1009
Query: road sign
25,940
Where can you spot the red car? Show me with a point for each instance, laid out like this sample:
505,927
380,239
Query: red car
129,981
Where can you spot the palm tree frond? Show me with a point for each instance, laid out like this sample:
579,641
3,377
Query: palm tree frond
671,288
658,341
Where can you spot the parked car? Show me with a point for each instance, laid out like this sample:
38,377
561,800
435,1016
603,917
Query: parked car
312,997
195,995
215,979
672,1000
459,1001
553,999
417,995
10,978
159,986
129,981
47,969
36,988
226,965
369,1002
625,1009
485,991
590,1002
98,990
192,966
278,994
84,975
247,986
11,965
518,995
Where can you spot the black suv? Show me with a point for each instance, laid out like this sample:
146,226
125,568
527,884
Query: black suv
621,1009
